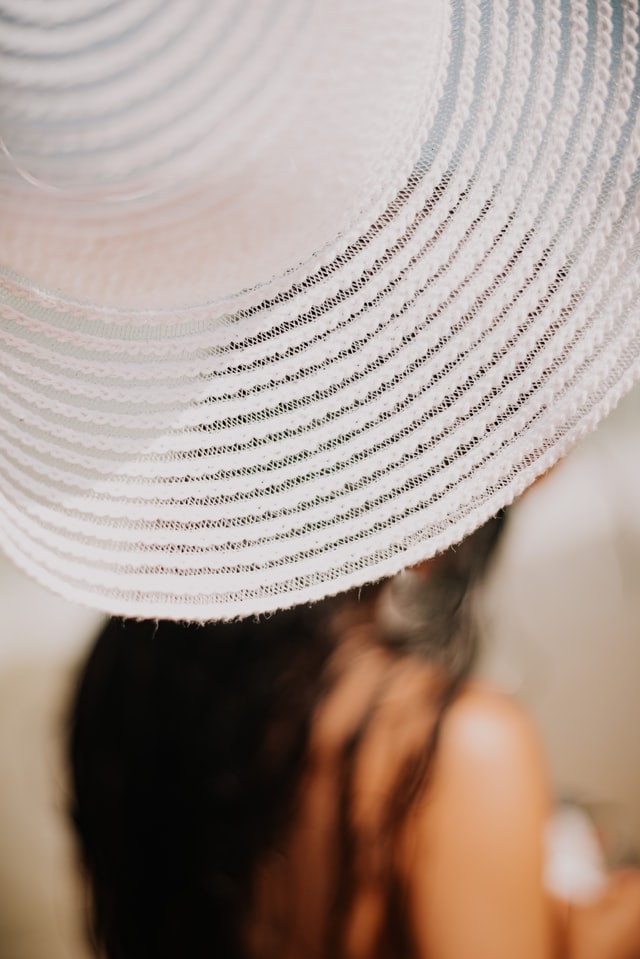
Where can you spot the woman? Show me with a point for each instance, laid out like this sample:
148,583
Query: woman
322,783
294,296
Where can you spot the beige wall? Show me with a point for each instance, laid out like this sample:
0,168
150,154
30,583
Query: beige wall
561,619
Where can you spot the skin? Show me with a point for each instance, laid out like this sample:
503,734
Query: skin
472,851
477,868
476,874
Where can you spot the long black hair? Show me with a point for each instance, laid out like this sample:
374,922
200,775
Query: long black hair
187,747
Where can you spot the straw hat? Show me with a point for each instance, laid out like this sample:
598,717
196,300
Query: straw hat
296,293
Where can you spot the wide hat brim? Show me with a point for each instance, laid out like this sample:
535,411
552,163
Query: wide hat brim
294,295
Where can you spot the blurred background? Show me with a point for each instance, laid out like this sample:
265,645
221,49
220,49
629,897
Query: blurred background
561,624
560,618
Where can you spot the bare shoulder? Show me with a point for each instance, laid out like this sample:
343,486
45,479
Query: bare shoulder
491,764
488,729
478,846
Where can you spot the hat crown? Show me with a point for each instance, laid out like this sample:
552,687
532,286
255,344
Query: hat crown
273,127
126,98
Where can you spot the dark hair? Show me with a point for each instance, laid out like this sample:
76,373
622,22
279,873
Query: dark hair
187,748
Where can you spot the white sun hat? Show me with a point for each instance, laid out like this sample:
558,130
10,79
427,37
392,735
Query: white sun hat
296,293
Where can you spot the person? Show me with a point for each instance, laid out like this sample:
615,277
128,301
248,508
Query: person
326,782
295,297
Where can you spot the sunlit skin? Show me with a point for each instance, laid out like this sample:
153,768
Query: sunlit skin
472,851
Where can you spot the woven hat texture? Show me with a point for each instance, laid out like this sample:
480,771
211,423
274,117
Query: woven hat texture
296,293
